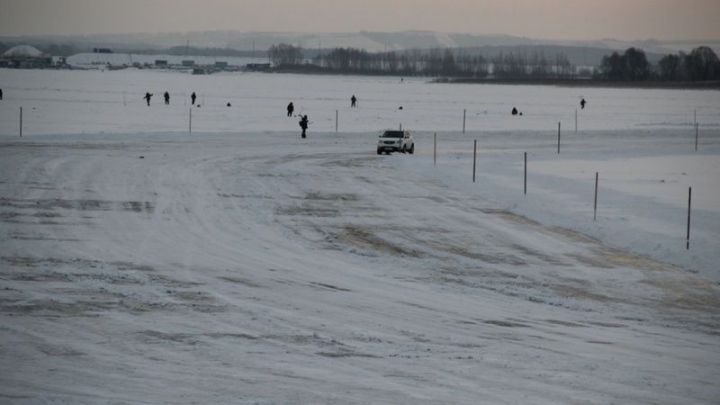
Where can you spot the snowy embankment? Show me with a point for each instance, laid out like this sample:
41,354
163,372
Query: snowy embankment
253,268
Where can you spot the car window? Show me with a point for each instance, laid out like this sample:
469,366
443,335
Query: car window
392,134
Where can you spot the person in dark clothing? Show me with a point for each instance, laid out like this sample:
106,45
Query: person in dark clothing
0,94
167,98
290,109
304,125
514,111
353,101
192,98
582,103
147,98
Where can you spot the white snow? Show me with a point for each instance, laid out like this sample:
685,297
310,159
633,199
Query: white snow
238,264
23,51
90,102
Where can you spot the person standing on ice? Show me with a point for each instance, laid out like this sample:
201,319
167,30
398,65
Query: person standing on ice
353,101
304,125
192,98
514,111
147,98
0,94
582,103
167,98
290,109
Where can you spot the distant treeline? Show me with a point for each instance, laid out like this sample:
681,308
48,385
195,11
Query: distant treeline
632,65
196,51
701,64
432,62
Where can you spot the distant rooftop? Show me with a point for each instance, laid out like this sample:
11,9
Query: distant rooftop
23,51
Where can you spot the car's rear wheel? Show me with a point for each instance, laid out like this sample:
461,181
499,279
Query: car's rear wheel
379,152
412,149
403,150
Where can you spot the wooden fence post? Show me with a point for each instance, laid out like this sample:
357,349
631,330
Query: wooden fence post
525,174
474,158
464,113
435,149
21,122
558,146
687,239
596,196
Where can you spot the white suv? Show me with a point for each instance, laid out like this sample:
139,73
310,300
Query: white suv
396,141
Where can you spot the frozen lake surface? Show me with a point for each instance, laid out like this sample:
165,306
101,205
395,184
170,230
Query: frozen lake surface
239,264
111,101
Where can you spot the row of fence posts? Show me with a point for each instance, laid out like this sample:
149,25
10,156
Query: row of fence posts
190,121
525,181
337,125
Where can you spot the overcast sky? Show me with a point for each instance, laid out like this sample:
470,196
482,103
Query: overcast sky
552,19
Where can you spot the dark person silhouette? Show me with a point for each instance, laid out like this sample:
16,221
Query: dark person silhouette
290,109
0,94
147,98
353,101
514,111
192,98
582,103
304,125
167,98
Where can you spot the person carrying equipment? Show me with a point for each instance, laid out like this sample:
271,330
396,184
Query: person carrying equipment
304,125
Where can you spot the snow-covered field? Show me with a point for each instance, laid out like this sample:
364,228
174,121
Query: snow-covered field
238,264
111,102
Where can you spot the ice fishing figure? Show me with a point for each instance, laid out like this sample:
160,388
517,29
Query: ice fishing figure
353,101
167,98
514,111
290,109
582,103
192,98
0,94
303,125
147,98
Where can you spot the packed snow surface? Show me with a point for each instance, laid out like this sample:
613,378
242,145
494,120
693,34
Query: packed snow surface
140,263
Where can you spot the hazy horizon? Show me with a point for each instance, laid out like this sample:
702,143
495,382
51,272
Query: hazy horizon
669,20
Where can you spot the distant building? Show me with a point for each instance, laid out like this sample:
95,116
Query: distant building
221,65
59,61
188,63
102,50
25,57
258,67
161,62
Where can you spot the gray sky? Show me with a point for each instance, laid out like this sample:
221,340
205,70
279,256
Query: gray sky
552,19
